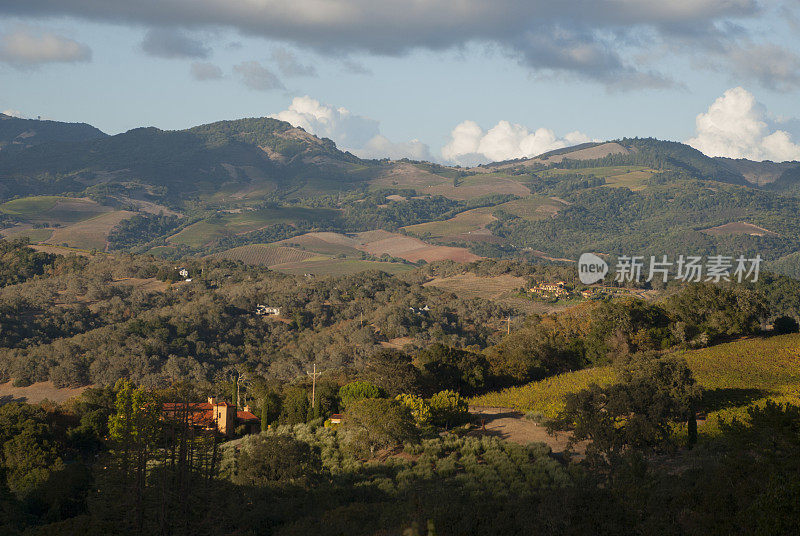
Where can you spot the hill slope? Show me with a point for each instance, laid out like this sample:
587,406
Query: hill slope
17,134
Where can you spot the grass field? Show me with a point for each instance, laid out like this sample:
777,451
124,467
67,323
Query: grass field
732,376
632,177
53,209
91,233
465,222
28,206
265,254
208,230
532,207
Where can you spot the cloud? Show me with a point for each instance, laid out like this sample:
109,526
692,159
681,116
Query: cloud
30,47
14,113
173,44
354,67
358,134
256,76
470,145
602,40
204,70
289,65
737,126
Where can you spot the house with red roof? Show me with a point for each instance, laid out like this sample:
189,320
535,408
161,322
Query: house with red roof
220,416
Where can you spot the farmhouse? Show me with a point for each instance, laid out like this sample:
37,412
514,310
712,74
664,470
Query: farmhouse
264,310
551,288
212,415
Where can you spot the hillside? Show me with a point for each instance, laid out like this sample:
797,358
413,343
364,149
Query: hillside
17,134
202,159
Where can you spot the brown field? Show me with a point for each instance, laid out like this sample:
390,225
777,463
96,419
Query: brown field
739,227
60,250
378,243
91,233
473,286
265,254
37,392
337,267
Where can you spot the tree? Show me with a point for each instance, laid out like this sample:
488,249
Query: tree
445,367
448,408
377,423
392,371
267,459
358,390
785,324
634,415
295,406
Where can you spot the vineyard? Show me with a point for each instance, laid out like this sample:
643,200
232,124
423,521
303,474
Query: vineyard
732,376
265,255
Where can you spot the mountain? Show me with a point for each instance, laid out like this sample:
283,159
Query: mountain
759,173
18,134
199,159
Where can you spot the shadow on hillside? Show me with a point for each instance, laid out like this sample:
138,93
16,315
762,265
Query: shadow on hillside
717,399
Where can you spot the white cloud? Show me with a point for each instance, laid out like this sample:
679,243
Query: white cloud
14,113
358,134
737,126
470,145
256,76
29,47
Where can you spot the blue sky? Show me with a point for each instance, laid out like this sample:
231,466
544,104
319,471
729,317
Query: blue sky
408,73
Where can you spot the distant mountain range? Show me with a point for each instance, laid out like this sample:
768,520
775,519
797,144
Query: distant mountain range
264,183
207,157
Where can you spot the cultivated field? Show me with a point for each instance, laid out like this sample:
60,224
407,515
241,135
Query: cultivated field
473,286
91,233
54,209
732,375
265,254
380,243
337,267
738,228
466,222
210,229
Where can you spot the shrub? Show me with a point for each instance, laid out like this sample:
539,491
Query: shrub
784,325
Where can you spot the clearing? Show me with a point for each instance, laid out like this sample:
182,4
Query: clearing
37,392
512,425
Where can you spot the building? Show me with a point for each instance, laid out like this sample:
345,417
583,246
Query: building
558,289
336,418
212,415
264,310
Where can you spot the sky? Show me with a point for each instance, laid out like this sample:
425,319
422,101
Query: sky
454,81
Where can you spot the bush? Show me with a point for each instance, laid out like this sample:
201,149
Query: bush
373,424
785,324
